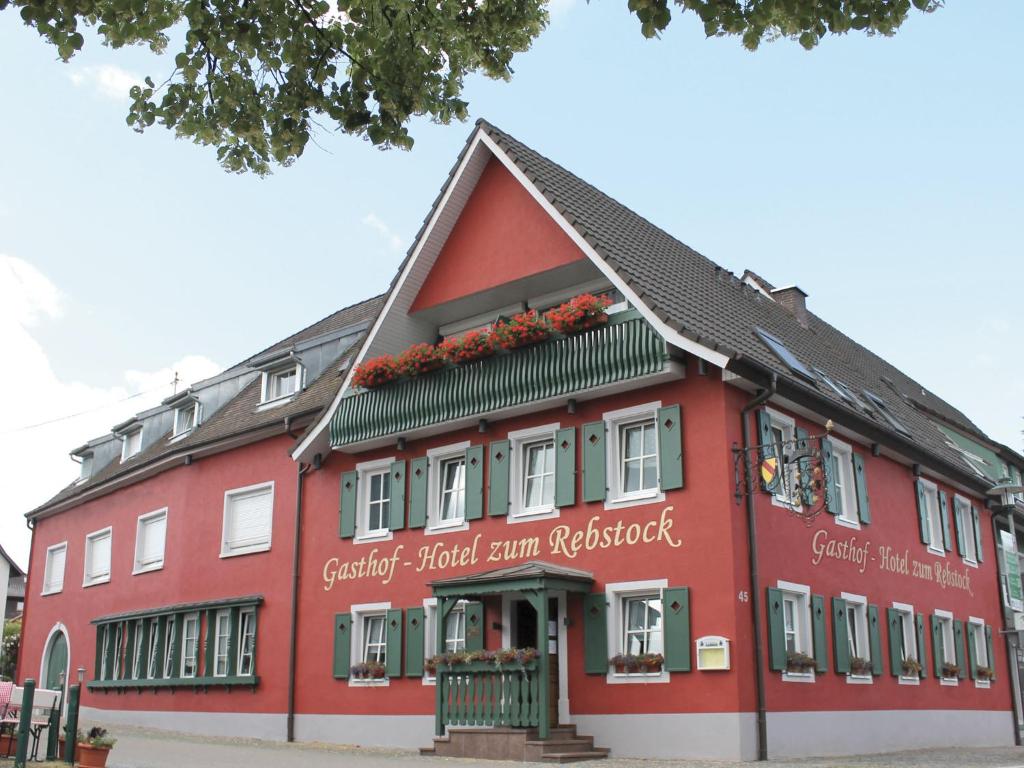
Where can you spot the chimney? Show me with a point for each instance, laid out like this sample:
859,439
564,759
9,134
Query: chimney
794,301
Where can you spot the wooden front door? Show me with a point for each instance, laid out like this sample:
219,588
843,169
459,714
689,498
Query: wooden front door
525,636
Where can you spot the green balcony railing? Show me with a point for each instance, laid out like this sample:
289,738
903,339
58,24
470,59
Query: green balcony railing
481,694
624,348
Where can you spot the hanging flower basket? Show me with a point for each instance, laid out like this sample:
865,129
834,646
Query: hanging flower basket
579,314
521,330
472,346
419,359
375,372
799,662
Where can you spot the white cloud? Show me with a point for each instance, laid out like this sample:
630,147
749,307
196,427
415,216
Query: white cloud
374,222
107,80
558,9
34,459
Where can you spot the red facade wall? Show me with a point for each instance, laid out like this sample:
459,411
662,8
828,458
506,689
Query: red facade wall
193,571
501,235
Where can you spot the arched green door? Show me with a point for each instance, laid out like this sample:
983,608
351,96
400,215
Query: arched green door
57,661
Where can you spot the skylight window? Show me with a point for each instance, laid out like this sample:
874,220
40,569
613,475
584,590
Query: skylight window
843,393
782,352
883,409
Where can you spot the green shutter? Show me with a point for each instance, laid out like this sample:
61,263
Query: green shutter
342,644
958,641
595,483
938,656
947,540
161,633
418,470
347,523
497,478
565,467
232,641
972,653
179,622
129,653
958,505
415,621
764,433
874,640
675,603
143,670
977,534
474,482
111,649
595,634
806,470
922,513
475,628
829,467
840,636
860,481
895,620
922,654
670,447
776,631
818,633
393,652
988,648
211,642
396,515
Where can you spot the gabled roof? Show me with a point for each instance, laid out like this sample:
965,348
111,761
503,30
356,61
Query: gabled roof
694,303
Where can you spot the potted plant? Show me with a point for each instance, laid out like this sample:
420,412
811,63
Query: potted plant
375,372
625,663
419,359
469,347
93,747
430,665
579,314
799,662
950,669
911,668
650,662
520,330
859,666
984,673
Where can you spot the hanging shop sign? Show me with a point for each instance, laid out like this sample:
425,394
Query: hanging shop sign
563,541
1011,570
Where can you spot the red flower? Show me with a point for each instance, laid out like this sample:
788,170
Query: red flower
578,314
374,372
471,346
419,358
520,330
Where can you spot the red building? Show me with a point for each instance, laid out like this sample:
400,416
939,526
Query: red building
711,524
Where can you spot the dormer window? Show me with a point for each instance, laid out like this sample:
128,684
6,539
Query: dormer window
131,443
186,417
281,383
86,472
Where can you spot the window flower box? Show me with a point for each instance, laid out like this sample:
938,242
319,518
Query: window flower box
860,666
505,657
950,670
521,330
419,359
578,314
375,372
651,662
468,348
625,663
799,663
984,673
368,670
911,668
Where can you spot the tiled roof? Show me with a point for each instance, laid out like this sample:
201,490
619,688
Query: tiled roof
713,307
242,413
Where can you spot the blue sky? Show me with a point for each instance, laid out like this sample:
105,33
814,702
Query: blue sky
882,175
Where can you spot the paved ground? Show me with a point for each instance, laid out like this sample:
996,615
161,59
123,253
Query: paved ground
145,748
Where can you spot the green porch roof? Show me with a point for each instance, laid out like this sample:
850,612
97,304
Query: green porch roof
531,575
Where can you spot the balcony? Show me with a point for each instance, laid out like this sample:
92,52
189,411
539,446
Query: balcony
624,349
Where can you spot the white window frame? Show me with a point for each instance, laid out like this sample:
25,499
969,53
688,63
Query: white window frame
858,633
437,457
271,374
85,471
126,441
803,638
118,650
359,613
430,632
48,588
909,650
365,471
249,612
149,517
518,442
90,539
226,550
151,650
981,659
966,527
948,643
936,543
613,423
218,636
615,596
137,649
105,652
187,620
783,496
846,484
169,638
190,405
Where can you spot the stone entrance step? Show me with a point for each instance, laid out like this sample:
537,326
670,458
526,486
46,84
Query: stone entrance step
563,745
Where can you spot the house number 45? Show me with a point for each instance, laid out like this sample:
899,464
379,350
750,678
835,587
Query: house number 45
743,596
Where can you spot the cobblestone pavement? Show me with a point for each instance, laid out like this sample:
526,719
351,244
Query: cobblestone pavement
146,748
